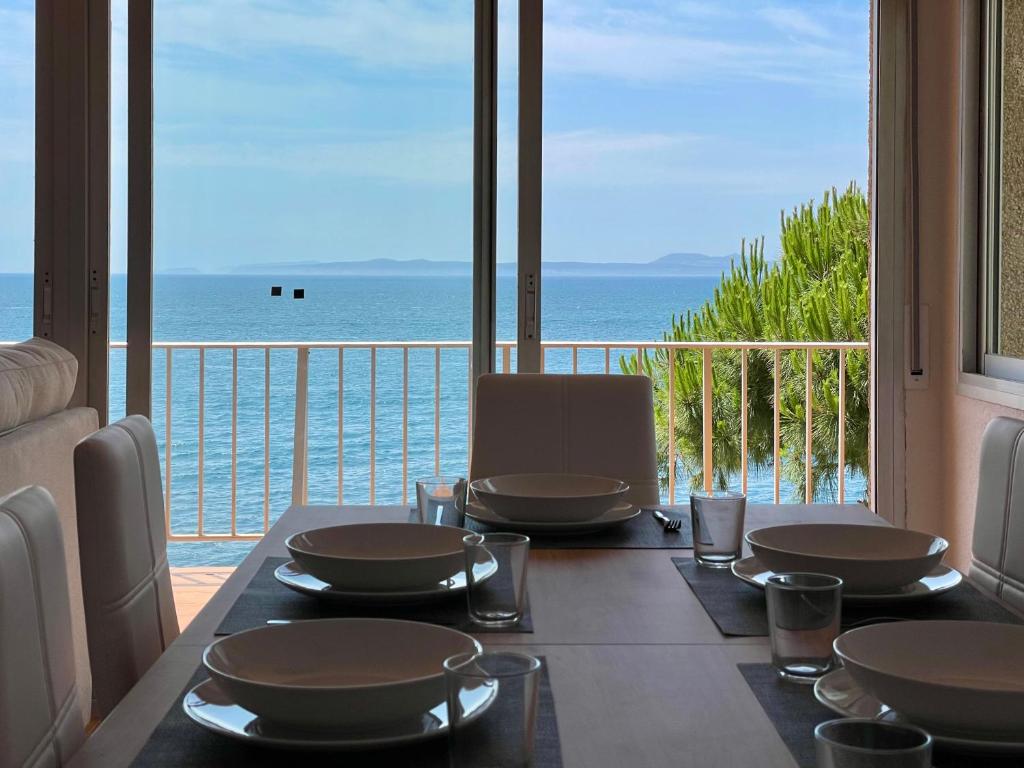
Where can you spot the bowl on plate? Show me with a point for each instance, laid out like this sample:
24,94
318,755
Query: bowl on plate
960,676
868,558
380,556
337,673
549,497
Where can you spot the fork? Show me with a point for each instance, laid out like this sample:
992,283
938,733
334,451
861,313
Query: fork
672,524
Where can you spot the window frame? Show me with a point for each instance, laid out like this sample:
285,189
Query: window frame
982,375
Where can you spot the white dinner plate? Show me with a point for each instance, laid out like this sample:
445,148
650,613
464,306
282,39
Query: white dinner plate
209,707
840,692
621,514
941,579
292,575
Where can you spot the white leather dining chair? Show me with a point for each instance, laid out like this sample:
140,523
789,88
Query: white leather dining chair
997,547
126,584
40,718
581,424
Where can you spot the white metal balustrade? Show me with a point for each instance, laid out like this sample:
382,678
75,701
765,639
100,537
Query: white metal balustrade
300,450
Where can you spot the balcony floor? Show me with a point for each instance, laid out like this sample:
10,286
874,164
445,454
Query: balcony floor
193,587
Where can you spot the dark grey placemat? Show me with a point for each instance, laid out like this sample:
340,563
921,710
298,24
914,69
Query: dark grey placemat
738,609
642,532
795,712
177,741
265,598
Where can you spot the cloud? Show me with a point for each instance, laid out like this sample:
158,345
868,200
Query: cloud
660,41
442,158
17,49
17,141
688,161
368,33
702,42
793,20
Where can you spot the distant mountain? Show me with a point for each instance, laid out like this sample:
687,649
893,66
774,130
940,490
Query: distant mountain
670,265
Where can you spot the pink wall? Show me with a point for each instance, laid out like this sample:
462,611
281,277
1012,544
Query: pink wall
943,428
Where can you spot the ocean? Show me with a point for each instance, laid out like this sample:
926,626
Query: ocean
343,308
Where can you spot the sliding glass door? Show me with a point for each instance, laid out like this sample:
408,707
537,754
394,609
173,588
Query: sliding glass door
680,144
312,255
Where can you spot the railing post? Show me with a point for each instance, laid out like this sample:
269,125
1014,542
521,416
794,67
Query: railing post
266,439
234,441
300,444
709,460
373,425
776,423
405,424
200,459
809,427
671,426
744,419
341,424
842,427
437,410
168,399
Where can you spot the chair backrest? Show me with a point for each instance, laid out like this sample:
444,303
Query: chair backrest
997,547
582,424
126,584
41,724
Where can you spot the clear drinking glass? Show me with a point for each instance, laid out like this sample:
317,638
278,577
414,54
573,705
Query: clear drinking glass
803,621
497,600
865,743
503,736
717,520
442,500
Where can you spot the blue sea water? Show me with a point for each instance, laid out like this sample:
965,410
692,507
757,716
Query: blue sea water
240,308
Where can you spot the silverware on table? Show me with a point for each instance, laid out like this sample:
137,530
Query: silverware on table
673,524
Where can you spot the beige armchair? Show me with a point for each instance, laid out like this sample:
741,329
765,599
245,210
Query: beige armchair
126,583
997,547
582,424
41,724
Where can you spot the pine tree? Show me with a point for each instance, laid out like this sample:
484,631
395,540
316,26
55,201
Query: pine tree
816,291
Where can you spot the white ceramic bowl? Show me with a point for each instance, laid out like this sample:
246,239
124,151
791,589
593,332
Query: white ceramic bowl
868,558
549,497
963,676
380,556
337,673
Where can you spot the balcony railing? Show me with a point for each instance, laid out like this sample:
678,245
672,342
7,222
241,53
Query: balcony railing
598,356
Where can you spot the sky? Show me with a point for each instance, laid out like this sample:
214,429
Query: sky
342,129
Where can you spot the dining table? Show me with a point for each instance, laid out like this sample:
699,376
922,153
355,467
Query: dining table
640,674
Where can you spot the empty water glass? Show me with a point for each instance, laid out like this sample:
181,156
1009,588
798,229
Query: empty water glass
803,621
864,743
504,735
497,598
442,500
717,520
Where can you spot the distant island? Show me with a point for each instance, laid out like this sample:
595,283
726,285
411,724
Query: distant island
670,265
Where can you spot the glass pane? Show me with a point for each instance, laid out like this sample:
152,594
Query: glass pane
17,167
118,205
1010,331
506,309
324,148
674,135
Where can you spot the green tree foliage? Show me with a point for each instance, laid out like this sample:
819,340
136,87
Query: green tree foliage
816,291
